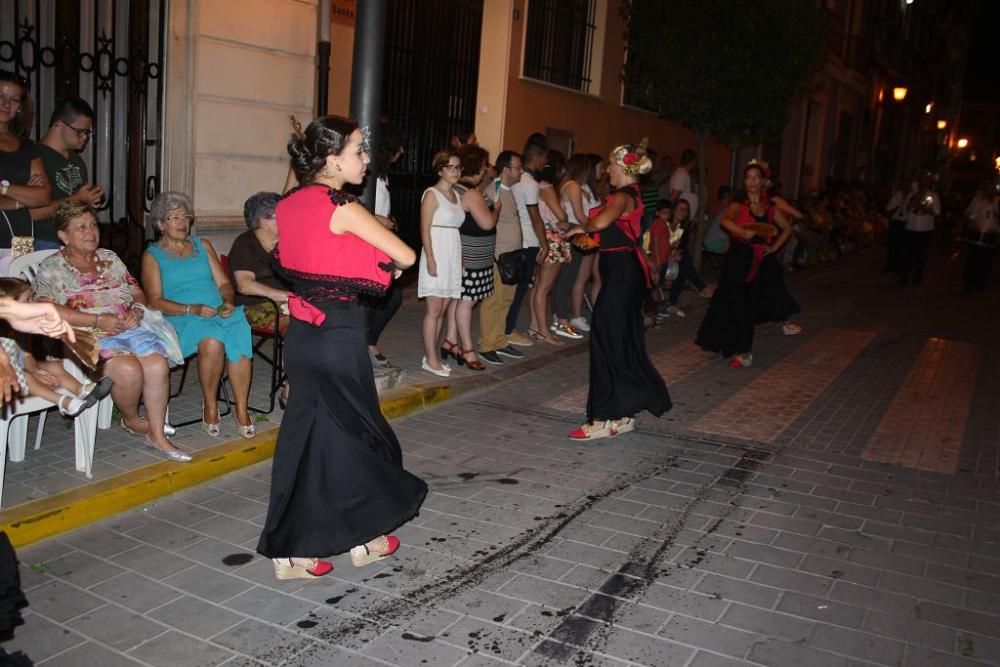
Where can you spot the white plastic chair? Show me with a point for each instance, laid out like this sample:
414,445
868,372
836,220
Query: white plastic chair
14,429
25,267
14,425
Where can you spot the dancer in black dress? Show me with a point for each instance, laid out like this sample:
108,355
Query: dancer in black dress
337,481
623,381
751,288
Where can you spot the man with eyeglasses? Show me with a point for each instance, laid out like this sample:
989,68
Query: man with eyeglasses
69,131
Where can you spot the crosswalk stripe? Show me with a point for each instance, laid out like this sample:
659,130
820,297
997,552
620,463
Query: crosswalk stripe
925,423
768,405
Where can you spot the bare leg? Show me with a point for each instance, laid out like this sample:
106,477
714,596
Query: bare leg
547,274
436,307
451,325
155,393
463,319
580,286
595,279
36,388
127,374
240,373
211,357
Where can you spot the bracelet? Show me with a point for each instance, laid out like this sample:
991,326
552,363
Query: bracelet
187,308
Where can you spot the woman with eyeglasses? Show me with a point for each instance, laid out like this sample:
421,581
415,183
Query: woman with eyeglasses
184,279
23,183
440,277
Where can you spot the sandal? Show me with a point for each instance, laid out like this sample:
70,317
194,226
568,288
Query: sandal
168,429
246,430
741,361
285,568
545,338
790,328
592,431
474,364
448,348
623,425
379,548
565,330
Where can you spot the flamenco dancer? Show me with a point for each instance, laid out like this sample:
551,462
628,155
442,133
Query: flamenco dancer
337,482
752,287
623,381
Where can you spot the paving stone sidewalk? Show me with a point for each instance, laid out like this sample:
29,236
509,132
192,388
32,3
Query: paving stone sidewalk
680,544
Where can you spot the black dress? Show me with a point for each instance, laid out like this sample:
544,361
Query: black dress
337,479
623,380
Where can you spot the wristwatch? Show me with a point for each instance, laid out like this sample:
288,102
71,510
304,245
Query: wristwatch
4,186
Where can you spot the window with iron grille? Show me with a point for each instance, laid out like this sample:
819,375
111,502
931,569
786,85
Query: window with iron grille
558,41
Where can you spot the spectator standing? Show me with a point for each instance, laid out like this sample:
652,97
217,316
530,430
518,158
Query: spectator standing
478,235
577,199
922,207
440,277
554,255
532,231
70,128
387,154
980,239
23,183
680,182
493,341
716,240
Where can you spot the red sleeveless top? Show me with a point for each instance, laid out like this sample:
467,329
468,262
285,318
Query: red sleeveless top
323,266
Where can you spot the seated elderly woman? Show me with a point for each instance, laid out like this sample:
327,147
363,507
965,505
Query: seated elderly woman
92,288
250,263
184,279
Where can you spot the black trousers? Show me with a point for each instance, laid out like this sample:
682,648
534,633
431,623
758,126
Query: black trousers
895,245
978,262
382,310
529,257
914,257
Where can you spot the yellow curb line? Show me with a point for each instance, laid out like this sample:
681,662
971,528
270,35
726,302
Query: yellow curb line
61,512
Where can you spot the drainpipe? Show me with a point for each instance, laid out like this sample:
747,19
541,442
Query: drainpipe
323,59
366,78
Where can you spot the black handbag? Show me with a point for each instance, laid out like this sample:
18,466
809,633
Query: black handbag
511,267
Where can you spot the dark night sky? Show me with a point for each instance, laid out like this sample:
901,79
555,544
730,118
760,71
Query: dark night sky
982,80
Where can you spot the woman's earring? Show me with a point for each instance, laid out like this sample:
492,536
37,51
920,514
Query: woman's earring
339,168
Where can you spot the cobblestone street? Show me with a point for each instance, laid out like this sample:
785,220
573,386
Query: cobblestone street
836,504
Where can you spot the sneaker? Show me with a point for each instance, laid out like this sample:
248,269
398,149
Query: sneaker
580,324
491,357
674,310
662,315
565,331
511,352
518,338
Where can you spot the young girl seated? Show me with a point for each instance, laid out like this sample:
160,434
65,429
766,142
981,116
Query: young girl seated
47,379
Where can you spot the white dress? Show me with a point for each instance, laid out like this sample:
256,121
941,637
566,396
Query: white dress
448,217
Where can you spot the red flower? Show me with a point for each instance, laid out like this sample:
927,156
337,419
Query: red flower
630,158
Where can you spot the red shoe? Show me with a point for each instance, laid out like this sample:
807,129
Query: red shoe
284,568
377,549
741,361
593,431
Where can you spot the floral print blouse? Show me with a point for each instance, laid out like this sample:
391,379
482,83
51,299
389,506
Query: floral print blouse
108,290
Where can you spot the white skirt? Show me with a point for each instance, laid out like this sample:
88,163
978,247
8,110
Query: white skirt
447,283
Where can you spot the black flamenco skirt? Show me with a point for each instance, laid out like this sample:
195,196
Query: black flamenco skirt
623,380
337,480
728,324
774,303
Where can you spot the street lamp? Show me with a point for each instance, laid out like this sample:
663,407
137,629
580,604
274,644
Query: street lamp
941,124
963,142
899,93
929,107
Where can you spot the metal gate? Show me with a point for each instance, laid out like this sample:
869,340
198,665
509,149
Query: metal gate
430,78
110,53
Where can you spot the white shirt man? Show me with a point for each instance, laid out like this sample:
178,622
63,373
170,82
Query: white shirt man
920,214
526,194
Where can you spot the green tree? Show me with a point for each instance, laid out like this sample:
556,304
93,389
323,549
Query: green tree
727,69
